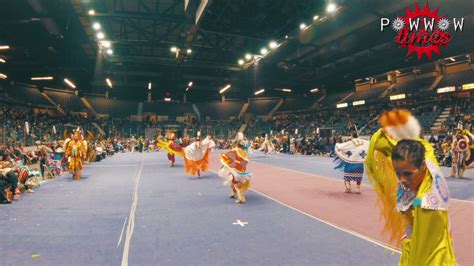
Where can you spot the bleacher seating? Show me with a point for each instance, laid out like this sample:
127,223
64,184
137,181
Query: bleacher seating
366,95
27,96
220,110
113,107
262,106
168,108
67,100
457,79
412,86
332,99
296,104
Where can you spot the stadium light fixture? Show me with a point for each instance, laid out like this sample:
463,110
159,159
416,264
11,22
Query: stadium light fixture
110,51
42,78
397,97
174,49
167,99
109,82
286,90
286,36
361,102
341,105
259,91
106,44
302,26
264,51
224,89
248,57
189,51
187,89
241,61
91,12
452,59
2,60
314,90
149,85
3,76
96,26
190,84
331,7
316,17
4,47
273,45
100,35
68,82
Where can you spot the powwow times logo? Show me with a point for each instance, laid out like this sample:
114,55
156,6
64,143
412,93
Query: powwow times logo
423,31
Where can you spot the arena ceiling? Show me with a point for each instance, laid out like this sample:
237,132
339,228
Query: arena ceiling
57,38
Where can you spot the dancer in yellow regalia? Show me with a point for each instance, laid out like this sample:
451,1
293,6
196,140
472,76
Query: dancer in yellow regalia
412,191
76,152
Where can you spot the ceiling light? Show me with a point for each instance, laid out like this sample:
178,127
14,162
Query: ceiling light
42,78
452,59
190,84
315,17
263,51
273,45
110,51
100,35
331,7
189,51
149,85
314,90
302,26
68,82
286,90
96,26
248,56
167,99
241,62
224,89
106,44
4,47
286,36
3,76
174,49
109,82
259,91
91,12
2,60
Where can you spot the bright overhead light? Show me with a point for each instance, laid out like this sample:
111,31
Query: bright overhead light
286,36
167,99
100,35
190,84
189,51
149,85
4,47
452,59
106,44
174,49
110,51
3,76
263,51
241,62
286,90
91,12
331,7
42,78
259,91
302,26
315,17
68,82
273,45
248,56
314,90
224,89
187,89
96,26
2,60
109,82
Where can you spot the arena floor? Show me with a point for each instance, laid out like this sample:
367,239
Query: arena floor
131,209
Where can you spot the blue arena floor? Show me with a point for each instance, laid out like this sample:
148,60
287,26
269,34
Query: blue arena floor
131,209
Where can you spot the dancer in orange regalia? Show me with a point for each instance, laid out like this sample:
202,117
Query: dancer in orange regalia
76,152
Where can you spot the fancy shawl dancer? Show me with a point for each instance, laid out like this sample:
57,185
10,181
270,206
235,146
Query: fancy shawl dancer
196,155
76,152
412,192
267,145
462,152
350,157
233,170
172,148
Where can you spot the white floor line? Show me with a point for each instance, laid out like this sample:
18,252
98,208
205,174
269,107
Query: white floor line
340,180
373,241
111,165
121,234
131,218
